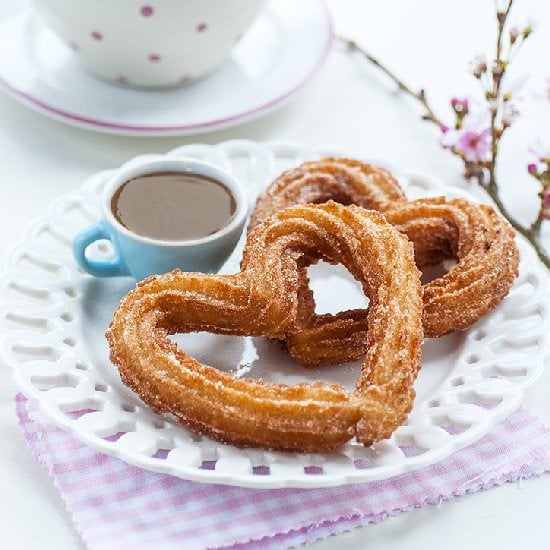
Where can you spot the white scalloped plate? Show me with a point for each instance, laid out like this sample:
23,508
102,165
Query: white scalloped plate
53,318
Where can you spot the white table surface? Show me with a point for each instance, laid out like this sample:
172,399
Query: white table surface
350,106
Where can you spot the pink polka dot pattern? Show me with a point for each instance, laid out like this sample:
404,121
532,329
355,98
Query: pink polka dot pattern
201,27
154,58
147,11
74,46
97,36
120,79
185,79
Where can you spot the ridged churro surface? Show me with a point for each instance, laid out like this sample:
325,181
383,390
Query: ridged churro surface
479,239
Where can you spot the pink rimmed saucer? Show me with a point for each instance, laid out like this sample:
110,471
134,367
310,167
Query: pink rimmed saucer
282,51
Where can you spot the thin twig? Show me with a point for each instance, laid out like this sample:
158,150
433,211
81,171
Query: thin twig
419,96
528,233
497,82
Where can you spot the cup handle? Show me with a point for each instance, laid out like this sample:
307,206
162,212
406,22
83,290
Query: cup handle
111,268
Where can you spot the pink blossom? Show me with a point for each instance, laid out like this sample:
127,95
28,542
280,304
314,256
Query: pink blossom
472,141
540,168
475,146
460,105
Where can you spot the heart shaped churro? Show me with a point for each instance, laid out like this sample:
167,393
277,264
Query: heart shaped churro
264,300
479,239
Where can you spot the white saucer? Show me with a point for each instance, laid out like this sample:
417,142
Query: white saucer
276,58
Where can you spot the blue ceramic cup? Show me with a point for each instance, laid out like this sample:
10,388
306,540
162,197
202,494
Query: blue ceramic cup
138,256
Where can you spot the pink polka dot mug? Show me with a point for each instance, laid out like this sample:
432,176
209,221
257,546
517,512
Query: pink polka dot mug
150,43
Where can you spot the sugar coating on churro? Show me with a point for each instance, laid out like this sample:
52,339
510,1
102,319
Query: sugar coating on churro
479,239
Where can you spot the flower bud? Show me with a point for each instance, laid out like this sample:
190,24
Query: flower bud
460,106
478,66
498,68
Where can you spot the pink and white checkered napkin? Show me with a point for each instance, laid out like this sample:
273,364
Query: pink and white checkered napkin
115,505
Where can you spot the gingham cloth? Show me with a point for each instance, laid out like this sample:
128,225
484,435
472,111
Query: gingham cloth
114,505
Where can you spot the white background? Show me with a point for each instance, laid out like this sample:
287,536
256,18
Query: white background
429,42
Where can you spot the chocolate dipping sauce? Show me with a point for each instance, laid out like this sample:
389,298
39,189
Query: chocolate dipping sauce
173,206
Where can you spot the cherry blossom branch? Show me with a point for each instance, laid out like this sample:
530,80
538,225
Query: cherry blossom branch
420,96
480,153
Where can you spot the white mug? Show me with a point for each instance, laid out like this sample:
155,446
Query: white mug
138,256
150,43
